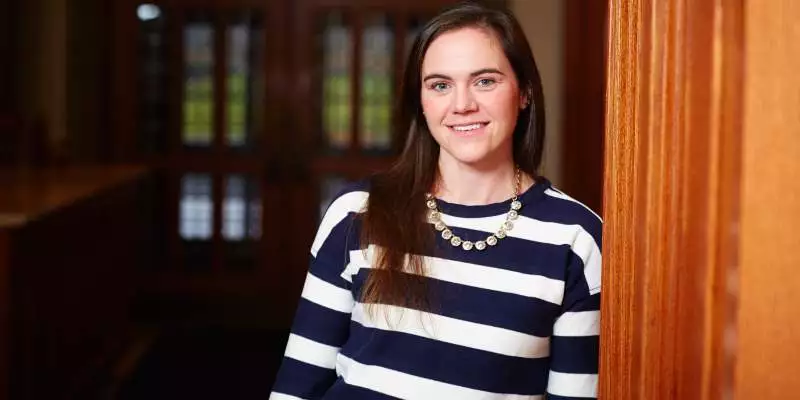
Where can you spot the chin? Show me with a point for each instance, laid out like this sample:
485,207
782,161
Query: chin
473,158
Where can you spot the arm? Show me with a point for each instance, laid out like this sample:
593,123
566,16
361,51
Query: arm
576,333
322,320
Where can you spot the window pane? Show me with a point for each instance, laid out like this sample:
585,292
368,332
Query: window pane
336,82
196,207
377,83
152,79
241,211
198,103
245,97
241,222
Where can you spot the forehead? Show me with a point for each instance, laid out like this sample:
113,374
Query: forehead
464,50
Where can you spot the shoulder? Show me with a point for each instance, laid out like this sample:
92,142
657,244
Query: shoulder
351,198
559,207
345,205
586,231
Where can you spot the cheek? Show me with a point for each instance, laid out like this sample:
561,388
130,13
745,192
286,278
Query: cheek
503,106
435,108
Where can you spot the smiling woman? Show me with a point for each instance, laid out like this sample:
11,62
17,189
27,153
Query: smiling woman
460,272
470,98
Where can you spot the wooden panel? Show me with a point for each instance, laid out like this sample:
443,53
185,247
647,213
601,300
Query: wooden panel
769,329
671,193
67,279
619,322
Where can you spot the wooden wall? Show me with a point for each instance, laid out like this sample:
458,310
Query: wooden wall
702,151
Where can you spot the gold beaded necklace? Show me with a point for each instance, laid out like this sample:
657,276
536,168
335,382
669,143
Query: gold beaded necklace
435,218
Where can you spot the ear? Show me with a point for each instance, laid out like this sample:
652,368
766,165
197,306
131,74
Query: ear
524,99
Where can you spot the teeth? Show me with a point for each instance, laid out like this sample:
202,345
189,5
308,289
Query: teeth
463,128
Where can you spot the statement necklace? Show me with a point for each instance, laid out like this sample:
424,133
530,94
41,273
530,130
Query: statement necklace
435,218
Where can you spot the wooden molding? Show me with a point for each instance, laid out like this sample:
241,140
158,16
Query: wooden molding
671,195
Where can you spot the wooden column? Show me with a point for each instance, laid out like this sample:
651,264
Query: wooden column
672,182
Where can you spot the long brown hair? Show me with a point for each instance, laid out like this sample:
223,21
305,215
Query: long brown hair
395,218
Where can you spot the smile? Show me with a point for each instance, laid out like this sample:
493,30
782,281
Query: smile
468,128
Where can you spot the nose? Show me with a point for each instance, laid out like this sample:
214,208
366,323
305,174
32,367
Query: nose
464,101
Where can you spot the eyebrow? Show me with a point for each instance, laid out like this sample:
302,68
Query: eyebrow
471,75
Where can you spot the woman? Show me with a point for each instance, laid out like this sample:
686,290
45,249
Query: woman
460,273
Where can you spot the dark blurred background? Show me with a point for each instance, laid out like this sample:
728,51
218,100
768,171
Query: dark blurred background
163,166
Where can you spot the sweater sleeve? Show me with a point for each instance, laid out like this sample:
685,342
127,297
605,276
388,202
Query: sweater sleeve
576,334
322,319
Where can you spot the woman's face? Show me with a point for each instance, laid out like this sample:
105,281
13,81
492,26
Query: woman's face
470,97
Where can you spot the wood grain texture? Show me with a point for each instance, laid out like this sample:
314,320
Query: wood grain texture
769,328
618,353
670,194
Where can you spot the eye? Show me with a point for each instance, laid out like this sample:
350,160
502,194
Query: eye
440,86
485,82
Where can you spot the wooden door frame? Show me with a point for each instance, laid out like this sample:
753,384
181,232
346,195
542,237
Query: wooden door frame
672,162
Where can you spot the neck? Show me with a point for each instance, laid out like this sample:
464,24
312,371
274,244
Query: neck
472,185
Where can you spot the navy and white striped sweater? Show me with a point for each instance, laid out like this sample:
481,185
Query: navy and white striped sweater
516,321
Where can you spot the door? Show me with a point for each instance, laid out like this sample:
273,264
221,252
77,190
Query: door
255,113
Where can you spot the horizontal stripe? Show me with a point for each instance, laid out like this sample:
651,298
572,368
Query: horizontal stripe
487,307
553,233
410,387
454,331
448,363
575,354
303,380
281,396
321,324
345,204
572,385
525,228
583,303
311,352
584,323
510,254
497,279
327,294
